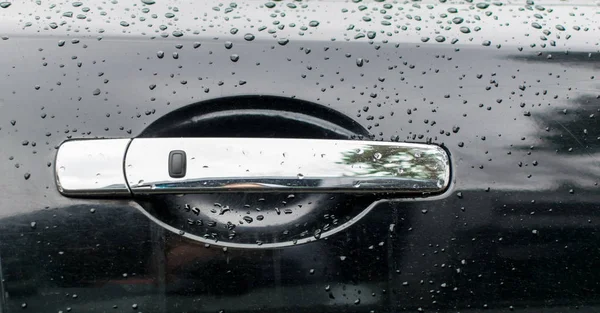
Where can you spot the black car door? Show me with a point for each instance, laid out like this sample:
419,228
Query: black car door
507,90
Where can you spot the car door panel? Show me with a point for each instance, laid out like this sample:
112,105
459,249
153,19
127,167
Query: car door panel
514,101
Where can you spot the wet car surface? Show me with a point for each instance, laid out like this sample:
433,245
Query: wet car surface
508,89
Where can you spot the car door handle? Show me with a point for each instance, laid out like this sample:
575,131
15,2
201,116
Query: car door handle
140,166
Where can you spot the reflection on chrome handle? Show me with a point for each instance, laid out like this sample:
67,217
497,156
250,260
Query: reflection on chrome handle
216,165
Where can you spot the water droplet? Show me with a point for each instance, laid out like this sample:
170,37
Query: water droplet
283,41
124,24
440,38
424,39
536,25
96,92
377,156
248,37
234,57
270,5
300,176
92,210
228,44
148,2
482,5
61,43
248,219
160,54
313,23
177,33
5,4
33,224
560,27
359,62
457,20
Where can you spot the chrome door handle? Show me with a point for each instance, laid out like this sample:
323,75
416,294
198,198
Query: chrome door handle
102,167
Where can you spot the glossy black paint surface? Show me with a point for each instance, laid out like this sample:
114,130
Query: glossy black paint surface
517,230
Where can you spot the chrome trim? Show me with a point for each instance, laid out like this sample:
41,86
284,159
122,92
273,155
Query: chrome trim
91,167
299,165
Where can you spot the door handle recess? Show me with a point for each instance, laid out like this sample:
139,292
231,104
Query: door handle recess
140,166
